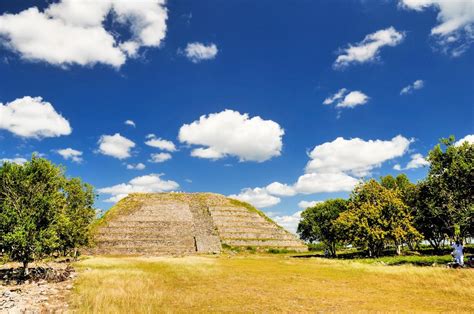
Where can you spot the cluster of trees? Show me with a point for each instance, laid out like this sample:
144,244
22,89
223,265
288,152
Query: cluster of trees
396,212
42,212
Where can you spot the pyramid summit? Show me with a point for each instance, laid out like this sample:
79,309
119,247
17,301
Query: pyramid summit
187,223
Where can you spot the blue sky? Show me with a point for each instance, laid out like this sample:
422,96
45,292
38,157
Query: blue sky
164,65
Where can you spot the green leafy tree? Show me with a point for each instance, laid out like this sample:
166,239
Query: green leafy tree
317,223
375,217
35,201
445,199
30,202
78,214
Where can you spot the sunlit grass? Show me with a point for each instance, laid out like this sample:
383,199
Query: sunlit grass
259,283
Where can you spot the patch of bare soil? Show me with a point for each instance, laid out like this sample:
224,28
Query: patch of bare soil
44,290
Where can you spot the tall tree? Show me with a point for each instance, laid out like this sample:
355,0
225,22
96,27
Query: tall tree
375,217
445,199
35,200
317,223
75,222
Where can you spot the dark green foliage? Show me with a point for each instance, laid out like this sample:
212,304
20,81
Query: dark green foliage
41,211
445,199
317,223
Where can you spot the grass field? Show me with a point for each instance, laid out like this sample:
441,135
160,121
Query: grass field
265,283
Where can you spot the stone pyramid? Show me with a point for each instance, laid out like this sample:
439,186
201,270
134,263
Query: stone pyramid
183,223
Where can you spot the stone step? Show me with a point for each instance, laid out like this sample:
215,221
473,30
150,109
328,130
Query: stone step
245,229
254,224
144,243
177,225
229,209
235,214
143,229
113,236
239,218
263,243
143,251
156,217
264,235
289,248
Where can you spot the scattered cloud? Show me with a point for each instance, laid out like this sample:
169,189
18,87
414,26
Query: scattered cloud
229,133
73,32
468,138
151,183
279,189
346,99
197,52
306,204
455,30
416,161
130,123
70,154
15,160
139,166
160,157
115,145
355,156
368,49
418,84
258,197
312,183
31,117
289,222
160,143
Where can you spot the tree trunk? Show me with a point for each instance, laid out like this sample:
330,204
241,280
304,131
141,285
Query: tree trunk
399,249
26,271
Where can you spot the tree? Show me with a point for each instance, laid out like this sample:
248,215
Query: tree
317,223
78,214
376,216
445,199
35,199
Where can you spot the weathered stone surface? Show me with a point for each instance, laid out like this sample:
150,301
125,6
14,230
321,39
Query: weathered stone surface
182,223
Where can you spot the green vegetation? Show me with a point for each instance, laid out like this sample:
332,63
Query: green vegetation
265,283
42,212
395,212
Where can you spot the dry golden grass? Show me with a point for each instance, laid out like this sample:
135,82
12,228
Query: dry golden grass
266,284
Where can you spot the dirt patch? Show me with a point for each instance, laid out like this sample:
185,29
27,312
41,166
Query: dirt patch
45,290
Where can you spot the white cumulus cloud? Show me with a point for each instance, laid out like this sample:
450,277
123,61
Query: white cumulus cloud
130,123
197,52
416,161
115,145
160,157
230,133
279,189
306,204
347,99
139,166
258,197
73,32
312,183
32,117
160,143
468,138
355,156
15,160
455,29
151,183
368,49
70,154
418,84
